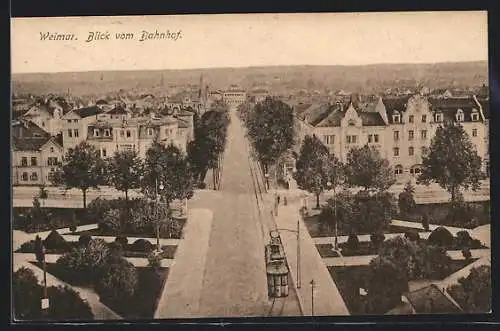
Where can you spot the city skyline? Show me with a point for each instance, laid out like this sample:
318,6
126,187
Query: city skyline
371,38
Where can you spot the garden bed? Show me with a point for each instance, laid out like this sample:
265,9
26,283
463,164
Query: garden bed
325,250
438,213
57,218
145,300
114,233
366,248
168,251
350,279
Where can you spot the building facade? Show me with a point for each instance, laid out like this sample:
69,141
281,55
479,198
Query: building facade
400,128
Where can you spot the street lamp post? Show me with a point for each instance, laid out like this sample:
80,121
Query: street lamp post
312,296
266,175
158,213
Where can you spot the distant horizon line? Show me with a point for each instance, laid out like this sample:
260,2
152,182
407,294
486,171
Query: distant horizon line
251,67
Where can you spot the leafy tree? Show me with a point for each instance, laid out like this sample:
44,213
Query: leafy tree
377,239
118,281
37,214
452,161
168,167
412,235
66,304
473,293
344,204
112,220
154,260
270,128
372,213
26,294
83,169
55,241
352,242
124,171
385,284
406,199
366,168
463,239
311,175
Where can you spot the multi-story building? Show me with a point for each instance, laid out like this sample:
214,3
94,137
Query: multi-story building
35,154
75,125
401,128
234,96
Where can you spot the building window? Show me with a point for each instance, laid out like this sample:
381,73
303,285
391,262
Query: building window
410,119
411,134
424,118
96,133
474,132
351,139
51,161
415,170
34,176
370,140
375,138
69,121
24,161
103,152
423,134
33,162
329,139
398,170
396,151
129,134
150,132
75,121
25,176
396,118
52,149
424,150
439,118
396,135
460,115
122,133
411,151
70,133
75,133
106,133
475,117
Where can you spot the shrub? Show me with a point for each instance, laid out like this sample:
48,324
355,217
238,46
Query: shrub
467,253
412,235
115,250
475,244
28,246
474,293
459,214
352,242
463,239
84,239
26,294
154,260
202,185
72,227
111,220
377,239
122,240
142,245
55,241
441,237
406,200
425,222
66,304
118,281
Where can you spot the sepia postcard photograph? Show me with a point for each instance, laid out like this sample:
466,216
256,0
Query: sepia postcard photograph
172,167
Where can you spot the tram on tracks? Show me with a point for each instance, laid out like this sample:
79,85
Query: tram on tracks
276,267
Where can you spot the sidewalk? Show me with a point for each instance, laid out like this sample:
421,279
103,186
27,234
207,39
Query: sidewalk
101,311
327,299
182,290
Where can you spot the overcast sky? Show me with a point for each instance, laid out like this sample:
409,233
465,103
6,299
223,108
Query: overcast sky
251,40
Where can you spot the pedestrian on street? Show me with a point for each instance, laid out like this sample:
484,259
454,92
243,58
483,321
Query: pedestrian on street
278,200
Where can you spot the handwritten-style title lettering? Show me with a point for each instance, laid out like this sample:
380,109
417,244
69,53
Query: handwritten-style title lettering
97,36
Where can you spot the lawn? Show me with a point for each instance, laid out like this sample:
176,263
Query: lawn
350,279
57,218
325,250
317,230
438,213
144,302
113,233
168,251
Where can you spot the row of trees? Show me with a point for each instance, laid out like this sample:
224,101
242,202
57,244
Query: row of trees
83,168
270,129
206,150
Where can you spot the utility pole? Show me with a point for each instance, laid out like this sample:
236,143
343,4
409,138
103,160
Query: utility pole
298,253
312,296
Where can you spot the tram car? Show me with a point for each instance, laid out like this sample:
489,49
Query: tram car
276,268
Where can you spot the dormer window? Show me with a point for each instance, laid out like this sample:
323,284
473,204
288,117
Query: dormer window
460,115
438,117
96,133
107,133
396,118
351,123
